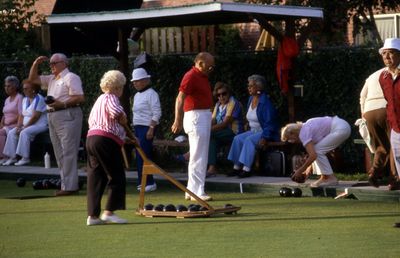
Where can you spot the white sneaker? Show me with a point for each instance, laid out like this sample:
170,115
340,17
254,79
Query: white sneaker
150,188
92,222
203,197
3,160
113,219
22,162
10,162
330,181
187,197
139,187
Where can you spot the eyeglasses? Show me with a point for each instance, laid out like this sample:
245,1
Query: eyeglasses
54,63
222,94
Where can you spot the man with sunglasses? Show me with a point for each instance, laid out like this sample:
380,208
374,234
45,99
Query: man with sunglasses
193,113
64,116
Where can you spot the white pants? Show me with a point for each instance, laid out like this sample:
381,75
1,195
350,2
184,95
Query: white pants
340,131
395,145
21,144
197,124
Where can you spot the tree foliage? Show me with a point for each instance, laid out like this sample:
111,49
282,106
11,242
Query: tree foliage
18,19
331,30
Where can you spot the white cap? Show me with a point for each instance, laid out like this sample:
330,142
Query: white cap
390,43
139,74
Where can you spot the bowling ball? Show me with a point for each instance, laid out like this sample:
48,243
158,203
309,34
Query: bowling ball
296,192
148,207
21,182
181,208
287,192
159,207
37,185
169,207
281,191
202,208
49,99
194,208
46,184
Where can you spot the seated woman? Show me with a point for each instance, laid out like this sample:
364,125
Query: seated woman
32,122
11,110
263,121
319,136
227,121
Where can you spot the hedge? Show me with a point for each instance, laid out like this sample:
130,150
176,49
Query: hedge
332,80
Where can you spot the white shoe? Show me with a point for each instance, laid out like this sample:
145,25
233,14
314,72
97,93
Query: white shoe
203,197
92,222
150,188
22,162
3,160
187,197
9,162
330,181
139,187
113,219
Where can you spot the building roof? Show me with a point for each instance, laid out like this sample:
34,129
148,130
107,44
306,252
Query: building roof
187,15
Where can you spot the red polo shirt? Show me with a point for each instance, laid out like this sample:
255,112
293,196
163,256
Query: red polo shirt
197,89
391,91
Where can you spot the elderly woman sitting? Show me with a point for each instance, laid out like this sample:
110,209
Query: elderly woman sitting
319,136
263,121
32,122
11,110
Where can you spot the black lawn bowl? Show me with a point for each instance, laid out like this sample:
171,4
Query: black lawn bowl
181,208
287,192
46,184
159,207
49,99
37,185
202,208
169,207
194,208
281,191
21,182
296,192
148,207
300,179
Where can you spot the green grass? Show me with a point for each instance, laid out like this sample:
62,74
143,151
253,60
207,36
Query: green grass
267,226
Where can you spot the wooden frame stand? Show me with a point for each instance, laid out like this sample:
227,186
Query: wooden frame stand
150,168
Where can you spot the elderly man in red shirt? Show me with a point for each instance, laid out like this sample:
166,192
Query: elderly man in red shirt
193,113
390,83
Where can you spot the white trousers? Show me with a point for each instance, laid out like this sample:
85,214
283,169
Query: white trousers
340,131
395,145
197,125
21,144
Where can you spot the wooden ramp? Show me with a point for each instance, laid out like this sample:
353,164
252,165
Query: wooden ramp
150,168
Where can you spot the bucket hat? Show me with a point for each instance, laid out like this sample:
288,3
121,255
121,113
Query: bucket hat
139,74
390,43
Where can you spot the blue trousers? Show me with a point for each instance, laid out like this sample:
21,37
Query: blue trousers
243,148
147,147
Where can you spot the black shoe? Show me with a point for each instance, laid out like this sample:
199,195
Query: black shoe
234,172
396,225
243,174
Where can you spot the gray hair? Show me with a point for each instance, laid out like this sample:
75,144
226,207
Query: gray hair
13,80
61,57
259,80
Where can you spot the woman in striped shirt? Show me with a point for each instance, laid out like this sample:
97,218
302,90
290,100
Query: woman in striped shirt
105,162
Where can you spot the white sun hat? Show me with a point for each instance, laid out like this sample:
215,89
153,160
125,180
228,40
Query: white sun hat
139,74
390,43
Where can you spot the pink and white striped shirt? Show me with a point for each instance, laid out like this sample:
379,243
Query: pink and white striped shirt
103,118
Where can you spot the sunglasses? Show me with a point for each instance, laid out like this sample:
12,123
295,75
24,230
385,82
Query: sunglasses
222,94
54,63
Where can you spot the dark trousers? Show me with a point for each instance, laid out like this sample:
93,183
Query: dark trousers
379,132
104,168
147,147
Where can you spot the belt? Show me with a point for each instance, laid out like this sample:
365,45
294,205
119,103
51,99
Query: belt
50,110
